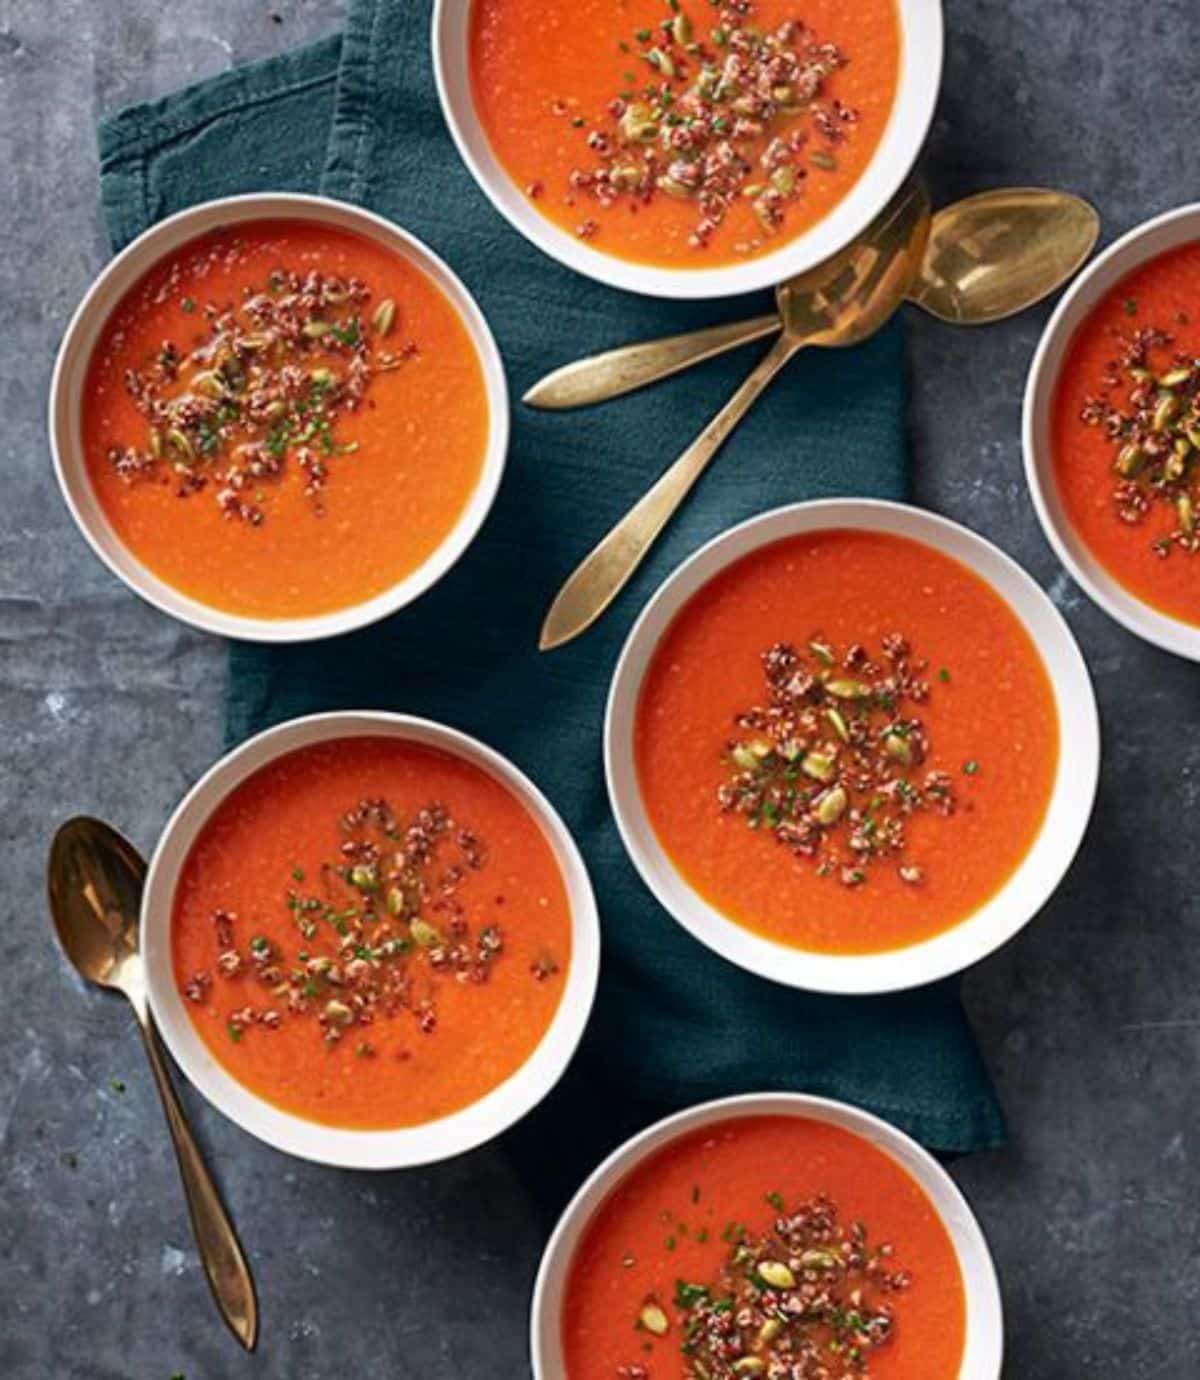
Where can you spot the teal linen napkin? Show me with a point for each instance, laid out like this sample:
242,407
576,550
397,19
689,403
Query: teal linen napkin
357,118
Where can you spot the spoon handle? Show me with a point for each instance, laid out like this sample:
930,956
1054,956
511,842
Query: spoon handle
228,1274
596,378
602,574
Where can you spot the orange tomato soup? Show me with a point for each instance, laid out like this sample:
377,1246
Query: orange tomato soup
1126,433
846,742
698,1231
283,419
684,134
371,933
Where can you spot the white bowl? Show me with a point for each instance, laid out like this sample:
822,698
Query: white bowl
295,1135
70,370
1035,878
916,96
984,1347
1141,244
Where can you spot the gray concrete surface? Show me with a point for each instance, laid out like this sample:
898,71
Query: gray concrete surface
1091,1020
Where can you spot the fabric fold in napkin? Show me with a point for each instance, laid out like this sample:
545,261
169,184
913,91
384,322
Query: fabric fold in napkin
358,118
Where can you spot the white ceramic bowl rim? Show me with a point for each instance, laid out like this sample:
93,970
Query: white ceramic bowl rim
1135,248
70,370
922,43
1035,879
984,1344
362,1149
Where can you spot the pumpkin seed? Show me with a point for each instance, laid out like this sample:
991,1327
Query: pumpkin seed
321,377
822,652
784,181
769,1331
776,1274
840,726
819,1260
832,806
668,184
744,758
384,317
749,1365
681,29
638,125
209,382
821,159
819,766
178,440
654,1320
1187,517
314,330
1167,410
765,216
898,748
156,445
849,689
1130,460
338,1012
1174,377
424,934
657,58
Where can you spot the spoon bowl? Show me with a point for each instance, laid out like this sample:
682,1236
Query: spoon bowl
994,254
851,296
95,879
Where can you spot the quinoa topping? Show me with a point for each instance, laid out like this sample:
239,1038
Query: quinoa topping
713,118
807,1299
832,764
1149,408
376,932
261,384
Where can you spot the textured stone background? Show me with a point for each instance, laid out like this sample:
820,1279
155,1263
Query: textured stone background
1091,1020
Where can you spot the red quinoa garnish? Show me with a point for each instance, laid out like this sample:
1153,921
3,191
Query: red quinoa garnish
1149,408
712,118
377,930
264,383
807,1298
833,763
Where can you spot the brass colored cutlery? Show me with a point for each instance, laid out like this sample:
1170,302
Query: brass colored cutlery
94,879
976,261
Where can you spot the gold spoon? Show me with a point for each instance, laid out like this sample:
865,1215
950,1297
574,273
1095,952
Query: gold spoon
837,304
95,879
988,257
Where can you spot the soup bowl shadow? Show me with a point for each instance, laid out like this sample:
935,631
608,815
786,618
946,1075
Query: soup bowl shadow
984,1340
87,325
1143,243
1037,875
405,1146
